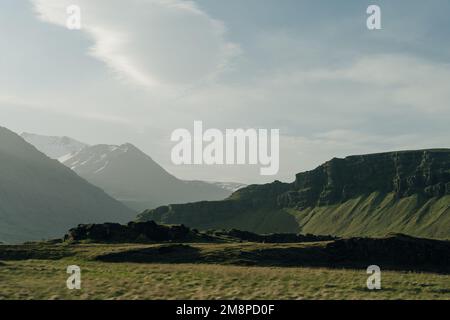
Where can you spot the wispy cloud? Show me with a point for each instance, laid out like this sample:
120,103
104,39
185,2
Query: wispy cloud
333,88
150,42
9,101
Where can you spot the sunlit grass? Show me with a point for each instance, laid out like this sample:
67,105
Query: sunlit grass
46,279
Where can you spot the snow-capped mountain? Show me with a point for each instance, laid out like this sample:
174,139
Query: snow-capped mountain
93,160
131,176
54,147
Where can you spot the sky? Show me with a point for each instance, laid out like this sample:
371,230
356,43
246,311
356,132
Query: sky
138,70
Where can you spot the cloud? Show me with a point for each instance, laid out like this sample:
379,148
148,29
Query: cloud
372,83
149,42
29,105
408,80
328,99
372,104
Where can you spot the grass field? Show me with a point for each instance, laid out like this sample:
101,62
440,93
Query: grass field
29,272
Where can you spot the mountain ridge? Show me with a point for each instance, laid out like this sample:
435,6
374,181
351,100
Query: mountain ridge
405,191
131,176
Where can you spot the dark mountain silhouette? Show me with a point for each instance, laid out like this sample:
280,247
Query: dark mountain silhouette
40,197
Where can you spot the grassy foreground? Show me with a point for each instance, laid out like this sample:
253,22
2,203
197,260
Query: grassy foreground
39,272
40,279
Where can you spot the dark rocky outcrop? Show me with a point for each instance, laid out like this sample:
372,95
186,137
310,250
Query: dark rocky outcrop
392,252
133,232
145,232
272,238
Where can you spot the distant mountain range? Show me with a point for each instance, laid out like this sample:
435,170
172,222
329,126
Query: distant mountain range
367,195
128,174
40,198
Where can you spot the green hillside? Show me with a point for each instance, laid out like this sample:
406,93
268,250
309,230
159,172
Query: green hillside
372,195
377,215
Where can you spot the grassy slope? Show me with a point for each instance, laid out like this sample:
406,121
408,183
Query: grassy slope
373,215
378,215
44,277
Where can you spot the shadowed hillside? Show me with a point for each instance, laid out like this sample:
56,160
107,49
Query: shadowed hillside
41,198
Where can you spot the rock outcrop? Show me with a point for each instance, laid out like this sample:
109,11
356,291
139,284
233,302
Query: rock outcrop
392,251
426,173
271,238
151,232
132,232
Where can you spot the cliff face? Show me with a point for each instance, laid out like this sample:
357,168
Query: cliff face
407,186
426,173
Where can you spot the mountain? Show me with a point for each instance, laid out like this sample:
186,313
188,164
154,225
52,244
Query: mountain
132,177
368,195
128,174
41,198
54,147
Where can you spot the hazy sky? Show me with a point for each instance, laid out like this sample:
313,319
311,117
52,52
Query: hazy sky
139,69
